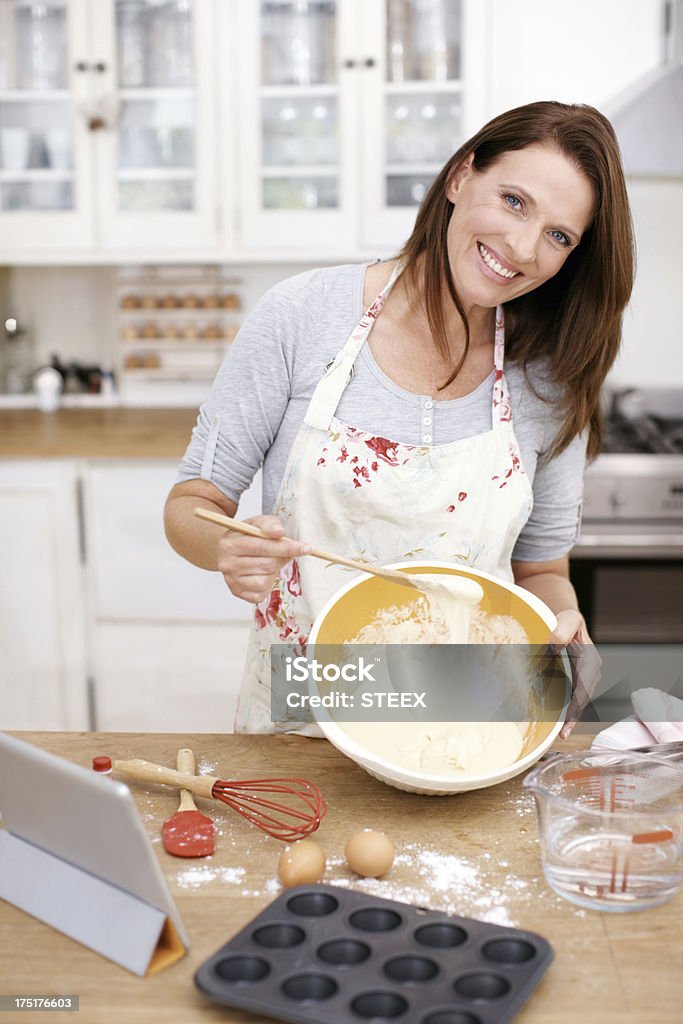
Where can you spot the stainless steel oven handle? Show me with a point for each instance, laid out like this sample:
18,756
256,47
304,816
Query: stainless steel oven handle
629,545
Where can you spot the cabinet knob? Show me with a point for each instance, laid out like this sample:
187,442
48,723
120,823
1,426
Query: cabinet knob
370,62
81,65
349,63
96,123
100,66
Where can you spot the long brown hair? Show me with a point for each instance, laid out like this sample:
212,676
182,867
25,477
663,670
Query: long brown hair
574,319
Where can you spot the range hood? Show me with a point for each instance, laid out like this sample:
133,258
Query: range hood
648,116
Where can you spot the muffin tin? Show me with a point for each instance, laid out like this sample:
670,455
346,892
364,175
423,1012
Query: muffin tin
319,953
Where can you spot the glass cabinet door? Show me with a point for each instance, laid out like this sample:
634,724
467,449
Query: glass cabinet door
418,116
156,141
293,104
422,95
42,200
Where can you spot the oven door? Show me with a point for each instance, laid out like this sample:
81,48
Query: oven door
629,581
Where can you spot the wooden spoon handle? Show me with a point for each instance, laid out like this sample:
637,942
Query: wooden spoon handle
185,764
147,771
253,531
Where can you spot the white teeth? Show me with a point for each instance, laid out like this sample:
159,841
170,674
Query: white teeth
494,264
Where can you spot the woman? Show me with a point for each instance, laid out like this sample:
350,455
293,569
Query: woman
390,433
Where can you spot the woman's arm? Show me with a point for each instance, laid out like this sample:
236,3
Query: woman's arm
550,582
196,539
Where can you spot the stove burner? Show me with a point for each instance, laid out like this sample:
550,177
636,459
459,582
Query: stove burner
647,434
642,421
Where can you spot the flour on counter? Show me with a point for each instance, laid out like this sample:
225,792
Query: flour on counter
487,887
192,878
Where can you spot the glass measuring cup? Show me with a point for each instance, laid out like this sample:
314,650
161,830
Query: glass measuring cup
611,828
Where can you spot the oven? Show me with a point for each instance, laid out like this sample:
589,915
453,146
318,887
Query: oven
627,565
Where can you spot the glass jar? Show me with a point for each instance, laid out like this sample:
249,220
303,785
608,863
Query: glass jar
437,35
172,45
131,43
400,56
42,47
298,42
7,45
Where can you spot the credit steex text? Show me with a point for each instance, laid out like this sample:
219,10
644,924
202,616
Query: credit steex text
304,670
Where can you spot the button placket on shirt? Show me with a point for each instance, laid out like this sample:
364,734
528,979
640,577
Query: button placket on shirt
427,420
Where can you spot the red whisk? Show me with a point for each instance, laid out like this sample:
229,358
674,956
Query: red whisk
295,819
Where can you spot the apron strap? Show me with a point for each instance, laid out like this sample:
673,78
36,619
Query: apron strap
501,409
327,395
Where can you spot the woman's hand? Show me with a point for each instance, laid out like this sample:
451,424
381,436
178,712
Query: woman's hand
571,634
251,565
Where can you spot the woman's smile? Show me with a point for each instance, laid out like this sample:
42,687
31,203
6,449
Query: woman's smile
495,266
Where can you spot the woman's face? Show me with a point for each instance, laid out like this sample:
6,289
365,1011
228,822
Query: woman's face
515,223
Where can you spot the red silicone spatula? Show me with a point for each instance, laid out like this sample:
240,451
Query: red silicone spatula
188,833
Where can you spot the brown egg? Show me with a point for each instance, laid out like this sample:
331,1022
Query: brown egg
369,853
301,863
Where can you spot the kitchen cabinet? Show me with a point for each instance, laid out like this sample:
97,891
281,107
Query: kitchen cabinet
106,124
169,640
348,111
228,130
43,647
102,624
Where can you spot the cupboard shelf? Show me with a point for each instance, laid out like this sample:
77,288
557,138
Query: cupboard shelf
34,95
182,312
413,170
37,174
417,87
147,93
299,171
298,91
175,344
155,174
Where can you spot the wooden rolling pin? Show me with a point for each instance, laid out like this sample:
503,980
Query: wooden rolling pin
147,771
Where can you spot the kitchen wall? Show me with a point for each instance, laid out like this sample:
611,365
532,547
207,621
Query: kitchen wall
621,41
68,310
652,347
582,51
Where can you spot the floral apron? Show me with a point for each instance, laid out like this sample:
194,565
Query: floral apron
380,501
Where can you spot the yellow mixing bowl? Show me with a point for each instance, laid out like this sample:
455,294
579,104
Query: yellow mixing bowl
364,597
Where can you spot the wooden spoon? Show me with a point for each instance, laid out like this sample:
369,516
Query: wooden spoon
453,586
188,833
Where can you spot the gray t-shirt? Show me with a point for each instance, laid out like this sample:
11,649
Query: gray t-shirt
267,379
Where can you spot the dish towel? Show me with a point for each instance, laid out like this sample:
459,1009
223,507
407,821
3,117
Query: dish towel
658,718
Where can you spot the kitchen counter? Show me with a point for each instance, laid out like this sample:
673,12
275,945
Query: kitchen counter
113,432
474,854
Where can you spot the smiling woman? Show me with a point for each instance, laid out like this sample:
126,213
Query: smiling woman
537,185
379,399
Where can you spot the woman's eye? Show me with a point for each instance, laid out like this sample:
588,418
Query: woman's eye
513,201
560,237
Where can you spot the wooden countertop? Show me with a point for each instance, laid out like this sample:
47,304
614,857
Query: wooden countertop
475,855
118,432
